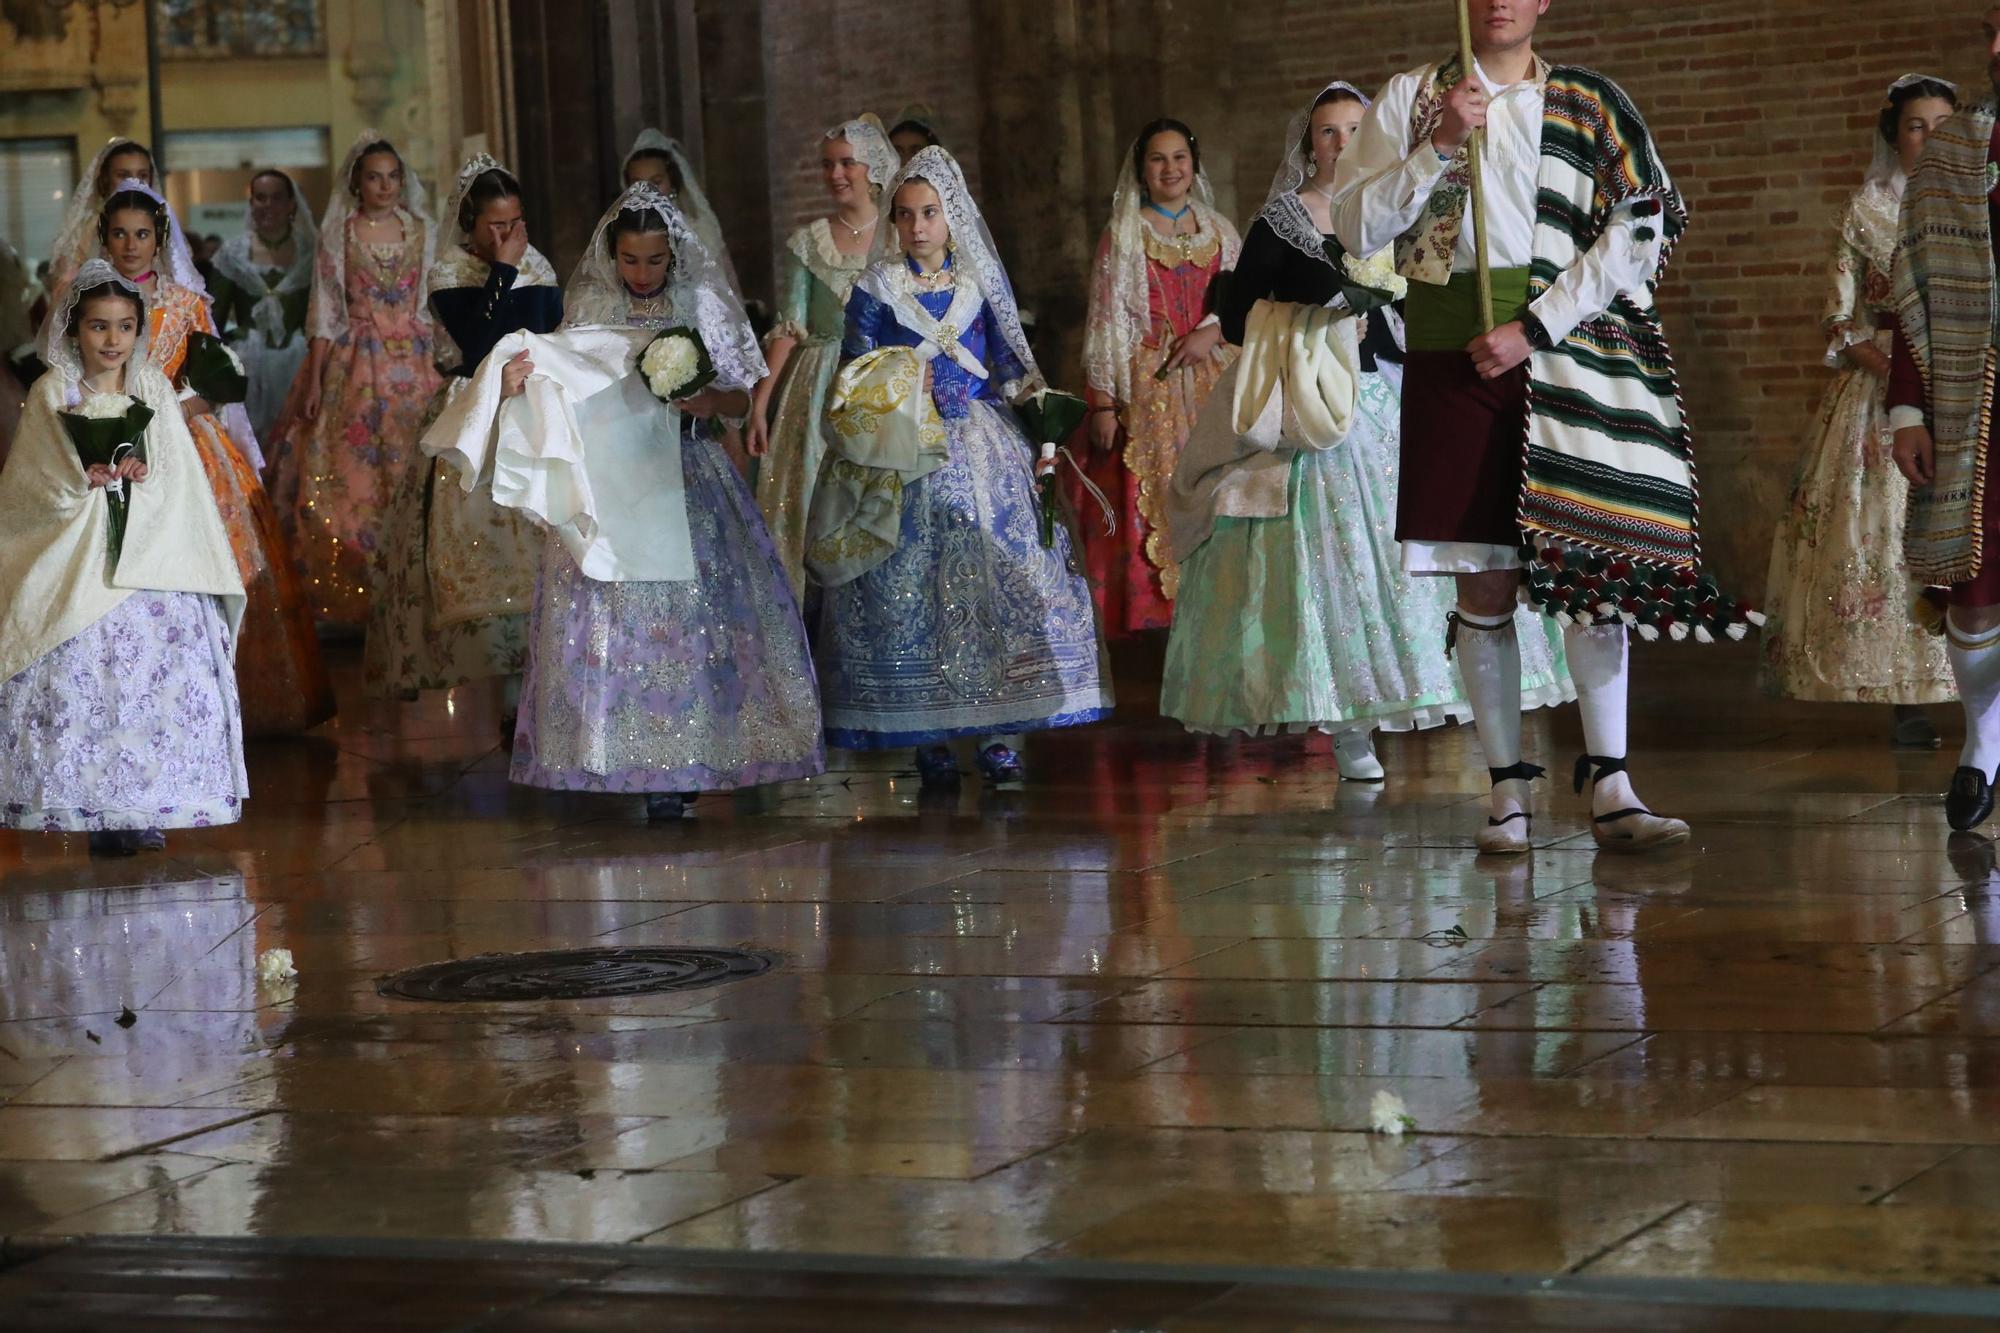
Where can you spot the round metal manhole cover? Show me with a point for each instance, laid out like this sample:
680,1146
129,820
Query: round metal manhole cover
575,974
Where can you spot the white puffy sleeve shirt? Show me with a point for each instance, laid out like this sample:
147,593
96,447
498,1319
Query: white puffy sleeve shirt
1383,181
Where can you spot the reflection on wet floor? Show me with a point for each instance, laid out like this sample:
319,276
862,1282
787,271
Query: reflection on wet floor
1137,1012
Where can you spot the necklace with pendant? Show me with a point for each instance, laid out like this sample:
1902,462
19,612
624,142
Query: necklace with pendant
946,276
856,233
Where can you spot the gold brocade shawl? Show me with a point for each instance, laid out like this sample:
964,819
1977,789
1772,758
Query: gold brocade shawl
56,578
482,559
883,433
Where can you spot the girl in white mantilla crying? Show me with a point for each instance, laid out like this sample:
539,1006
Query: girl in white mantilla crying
945,616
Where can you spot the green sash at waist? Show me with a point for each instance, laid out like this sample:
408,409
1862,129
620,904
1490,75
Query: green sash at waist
1445,319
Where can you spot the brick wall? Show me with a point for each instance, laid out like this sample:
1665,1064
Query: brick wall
830,60
1762,109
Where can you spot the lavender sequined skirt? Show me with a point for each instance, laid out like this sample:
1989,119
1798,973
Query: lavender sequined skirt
132,724
702,685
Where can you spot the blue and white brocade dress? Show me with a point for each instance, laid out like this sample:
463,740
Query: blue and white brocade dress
972,627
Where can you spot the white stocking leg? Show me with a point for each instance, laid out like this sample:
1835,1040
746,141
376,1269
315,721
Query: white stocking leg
1975,666
1489,664
1599,665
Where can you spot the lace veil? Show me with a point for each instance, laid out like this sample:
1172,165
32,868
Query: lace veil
76,241
1886,166
59,351
1121,312
976,254
176,265
870,142
697,292
233,261
176,258
451,236
691,201
1282,209
327,317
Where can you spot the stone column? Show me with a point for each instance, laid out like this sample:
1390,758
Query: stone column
371,63
561,106
1034,68
734,151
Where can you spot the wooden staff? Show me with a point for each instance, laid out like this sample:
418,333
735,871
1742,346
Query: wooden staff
1477,208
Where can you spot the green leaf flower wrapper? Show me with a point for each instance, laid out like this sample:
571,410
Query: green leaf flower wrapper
109,441
212,370
1372,283
1052,416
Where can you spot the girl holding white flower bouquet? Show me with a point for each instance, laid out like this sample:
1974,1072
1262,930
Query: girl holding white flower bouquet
945,615
281,677
455,573
1294,612
672,686
119,595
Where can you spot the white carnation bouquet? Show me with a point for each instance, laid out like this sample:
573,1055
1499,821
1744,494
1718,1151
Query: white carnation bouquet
1371,283
105,406
676,364
1378,272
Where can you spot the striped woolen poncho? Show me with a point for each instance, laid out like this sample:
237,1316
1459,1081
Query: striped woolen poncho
1609,497
1946,302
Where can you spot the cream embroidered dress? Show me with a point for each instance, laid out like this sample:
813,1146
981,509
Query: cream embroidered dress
813,309
1840,628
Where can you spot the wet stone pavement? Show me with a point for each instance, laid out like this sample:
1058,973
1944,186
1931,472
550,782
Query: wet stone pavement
1137,1013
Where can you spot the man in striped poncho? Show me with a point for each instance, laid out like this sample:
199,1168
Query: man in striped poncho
1553,447
1941,404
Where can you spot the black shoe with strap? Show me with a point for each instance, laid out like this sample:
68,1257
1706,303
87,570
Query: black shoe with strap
1969,803
1509,836
1637,828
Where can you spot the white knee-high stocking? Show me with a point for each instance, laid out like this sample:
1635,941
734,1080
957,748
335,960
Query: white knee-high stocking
1599,664
1975,666
1489,664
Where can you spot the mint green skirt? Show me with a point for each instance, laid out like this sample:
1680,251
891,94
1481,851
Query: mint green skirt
1308,622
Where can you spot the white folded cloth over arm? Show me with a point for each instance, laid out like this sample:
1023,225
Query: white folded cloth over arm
586,448
1293,388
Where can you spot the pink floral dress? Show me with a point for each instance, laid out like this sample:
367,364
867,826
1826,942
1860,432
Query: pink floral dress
379,378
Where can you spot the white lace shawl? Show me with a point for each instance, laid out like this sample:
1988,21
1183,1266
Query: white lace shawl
235,262
976,255
1121,314
696,293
